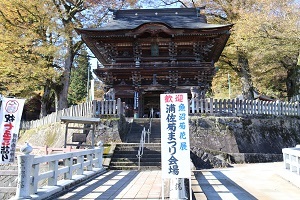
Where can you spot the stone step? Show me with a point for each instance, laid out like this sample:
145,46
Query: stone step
112,164
125,157
130,145
135,159
137,127
135,168
146,148
124,148
133,155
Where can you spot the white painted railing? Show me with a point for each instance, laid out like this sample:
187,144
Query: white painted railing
213,106
291,159
108,107
89,109
42,176
244,107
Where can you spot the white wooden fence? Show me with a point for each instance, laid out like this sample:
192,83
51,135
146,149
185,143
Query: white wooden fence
42,176
89,109
244,107
208,106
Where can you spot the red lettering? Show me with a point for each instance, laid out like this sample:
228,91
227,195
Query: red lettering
7,134
179,98
168,98
8,126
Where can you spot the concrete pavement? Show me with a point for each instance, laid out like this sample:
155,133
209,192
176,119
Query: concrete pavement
120,185
243,181
250,181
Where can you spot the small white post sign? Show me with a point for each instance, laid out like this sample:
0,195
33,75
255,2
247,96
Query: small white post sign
10,118
175,142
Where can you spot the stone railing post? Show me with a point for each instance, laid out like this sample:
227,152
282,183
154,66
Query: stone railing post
24,169
99,155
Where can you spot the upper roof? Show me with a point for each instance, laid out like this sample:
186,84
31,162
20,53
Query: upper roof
178,18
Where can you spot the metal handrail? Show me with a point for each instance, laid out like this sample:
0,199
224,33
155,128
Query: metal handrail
143,139
150,124
141,147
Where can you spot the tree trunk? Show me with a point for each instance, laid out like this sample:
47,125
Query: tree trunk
65,78
293,76
45,99
243,71
292,83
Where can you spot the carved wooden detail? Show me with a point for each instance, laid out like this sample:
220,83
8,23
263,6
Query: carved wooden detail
173,78
109,51
172,51
137,52
136,79
202,49
107,78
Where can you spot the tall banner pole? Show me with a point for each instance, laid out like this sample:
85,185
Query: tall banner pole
10,118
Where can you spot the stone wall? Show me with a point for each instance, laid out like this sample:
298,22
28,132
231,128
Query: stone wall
258,134
110,130
216,141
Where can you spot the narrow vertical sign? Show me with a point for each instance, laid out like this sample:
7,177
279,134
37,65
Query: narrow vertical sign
10,117
175,142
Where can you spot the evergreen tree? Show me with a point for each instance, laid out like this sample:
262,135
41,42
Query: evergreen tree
79,79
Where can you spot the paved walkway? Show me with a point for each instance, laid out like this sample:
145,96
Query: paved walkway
262,181
115,185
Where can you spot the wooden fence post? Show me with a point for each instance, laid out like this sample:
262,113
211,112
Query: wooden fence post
114,107
94,108
210,105
119,107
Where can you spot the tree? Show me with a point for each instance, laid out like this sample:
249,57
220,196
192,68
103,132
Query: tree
264,44
79,79
75,14
234,57
30,48
26,48
271,32
39,44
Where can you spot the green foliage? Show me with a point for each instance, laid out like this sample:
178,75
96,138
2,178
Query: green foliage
24,48
270,33
79,79
38,44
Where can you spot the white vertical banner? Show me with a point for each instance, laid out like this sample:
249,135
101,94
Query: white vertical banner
10,118
175,142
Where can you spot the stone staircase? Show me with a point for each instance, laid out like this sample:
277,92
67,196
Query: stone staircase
137,127
125,157
125,154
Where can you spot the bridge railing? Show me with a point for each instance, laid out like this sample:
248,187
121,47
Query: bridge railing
42,176
291,159
244,107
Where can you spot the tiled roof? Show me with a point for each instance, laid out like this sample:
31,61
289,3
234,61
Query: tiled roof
182,18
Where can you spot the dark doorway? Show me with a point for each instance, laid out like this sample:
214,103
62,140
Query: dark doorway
152,100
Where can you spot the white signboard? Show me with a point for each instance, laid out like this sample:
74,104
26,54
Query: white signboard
175,142
10,117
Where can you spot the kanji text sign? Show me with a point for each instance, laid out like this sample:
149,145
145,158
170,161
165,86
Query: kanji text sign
175,143
10,117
